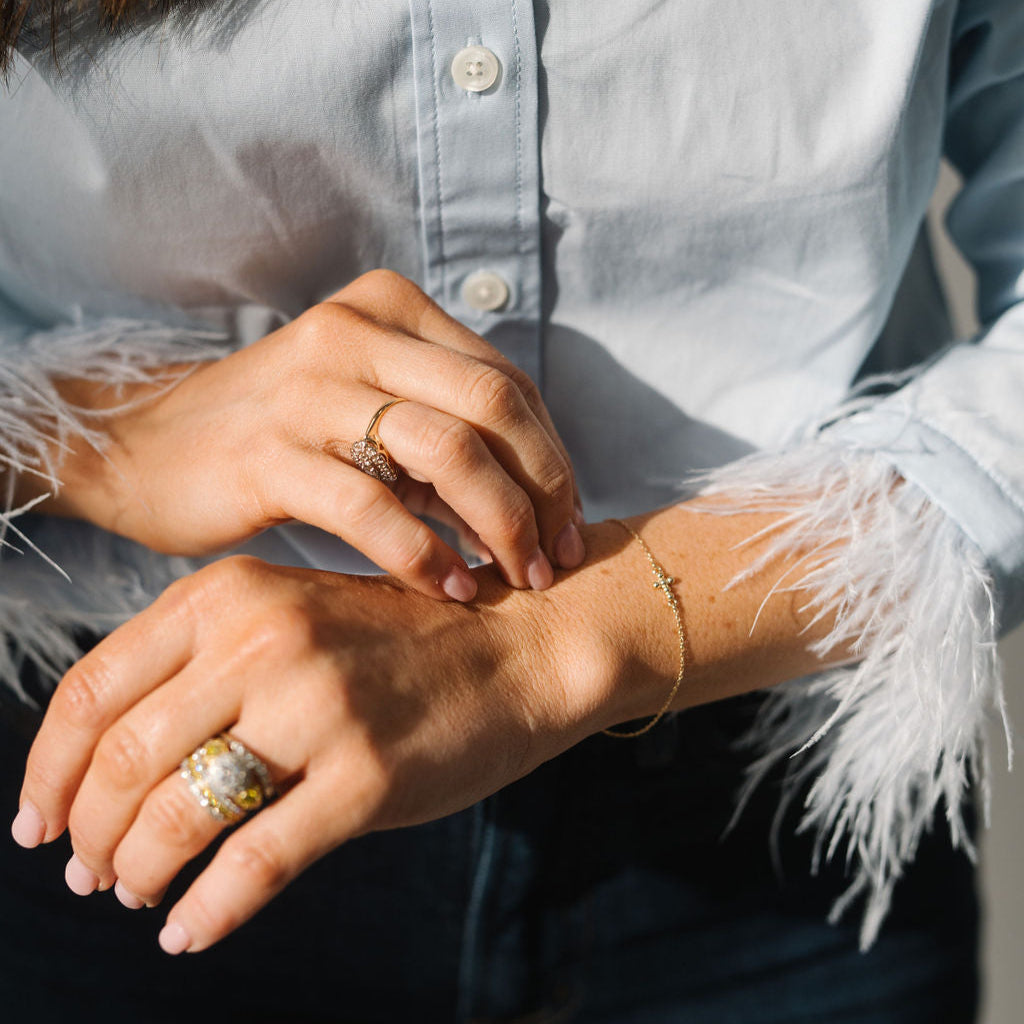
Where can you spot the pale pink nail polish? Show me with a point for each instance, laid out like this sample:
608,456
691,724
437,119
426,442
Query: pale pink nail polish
128,899
458,584
81,881
174,939
538,571
569,549
28,828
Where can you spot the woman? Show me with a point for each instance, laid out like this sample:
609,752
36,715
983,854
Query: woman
701,272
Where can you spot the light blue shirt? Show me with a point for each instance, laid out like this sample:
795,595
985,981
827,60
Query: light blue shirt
693,218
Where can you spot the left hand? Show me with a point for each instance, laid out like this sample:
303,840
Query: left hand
376,707
373,706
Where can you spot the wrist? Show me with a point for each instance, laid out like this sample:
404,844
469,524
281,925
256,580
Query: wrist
607,641
95,474
75,463
599,647
88,485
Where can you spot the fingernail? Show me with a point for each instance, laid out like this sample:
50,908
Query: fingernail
458,584
128,899
81,881
28,828
539,571
569,549
174,939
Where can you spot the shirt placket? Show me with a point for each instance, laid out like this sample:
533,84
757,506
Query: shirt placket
475,65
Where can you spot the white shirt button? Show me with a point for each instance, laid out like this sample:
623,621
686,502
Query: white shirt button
475,68
485,290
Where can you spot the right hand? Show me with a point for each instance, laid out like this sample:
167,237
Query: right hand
262,437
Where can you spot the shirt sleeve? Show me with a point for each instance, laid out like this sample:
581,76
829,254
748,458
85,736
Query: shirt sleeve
60,579
907,513
957,429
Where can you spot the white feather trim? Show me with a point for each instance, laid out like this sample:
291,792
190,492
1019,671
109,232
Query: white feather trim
43,612
35,422
881,743
43,604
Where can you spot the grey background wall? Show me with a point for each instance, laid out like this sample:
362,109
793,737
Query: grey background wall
1001,845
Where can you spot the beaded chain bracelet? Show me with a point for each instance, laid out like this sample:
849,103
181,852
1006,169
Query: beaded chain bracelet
662,582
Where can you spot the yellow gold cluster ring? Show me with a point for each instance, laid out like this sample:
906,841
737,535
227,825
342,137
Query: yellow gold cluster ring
227,778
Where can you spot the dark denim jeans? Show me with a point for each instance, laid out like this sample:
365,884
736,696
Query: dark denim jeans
598,889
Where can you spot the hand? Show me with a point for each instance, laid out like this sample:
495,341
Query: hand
394,710
325,677
262,437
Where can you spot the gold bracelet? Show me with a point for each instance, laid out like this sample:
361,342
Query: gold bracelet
663,582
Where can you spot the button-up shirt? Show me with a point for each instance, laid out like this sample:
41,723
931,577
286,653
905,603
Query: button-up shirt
688,222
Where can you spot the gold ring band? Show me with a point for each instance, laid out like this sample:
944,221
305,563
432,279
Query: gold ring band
369,453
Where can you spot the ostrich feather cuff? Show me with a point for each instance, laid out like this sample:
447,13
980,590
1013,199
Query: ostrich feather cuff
881,745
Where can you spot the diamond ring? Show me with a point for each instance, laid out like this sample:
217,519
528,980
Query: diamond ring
369,453
227,779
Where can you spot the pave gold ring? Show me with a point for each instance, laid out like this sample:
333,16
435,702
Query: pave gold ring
369,453
227,779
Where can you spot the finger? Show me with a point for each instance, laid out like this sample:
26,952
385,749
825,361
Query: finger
451,454
334,496
421,500
492,403
107,681
256,862
435,325
170,830
388,299
143,747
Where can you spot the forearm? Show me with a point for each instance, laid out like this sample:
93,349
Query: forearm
613,637
858,573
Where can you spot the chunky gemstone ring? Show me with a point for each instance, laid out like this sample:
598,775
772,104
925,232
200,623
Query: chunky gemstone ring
369,453
227,779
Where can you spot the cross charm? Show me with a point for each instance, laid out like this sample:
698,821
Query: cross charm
664,583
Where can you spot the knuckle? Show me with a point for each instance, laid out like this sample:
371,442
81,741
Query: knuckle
43,780
121,758
386,292
416,559
210,914
517,522
214,590
87,845
231,574
495,395
263,863
284,629
177,596
321,324
173,818
556,481
452,449
524,383
83,695
363,503
381,279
